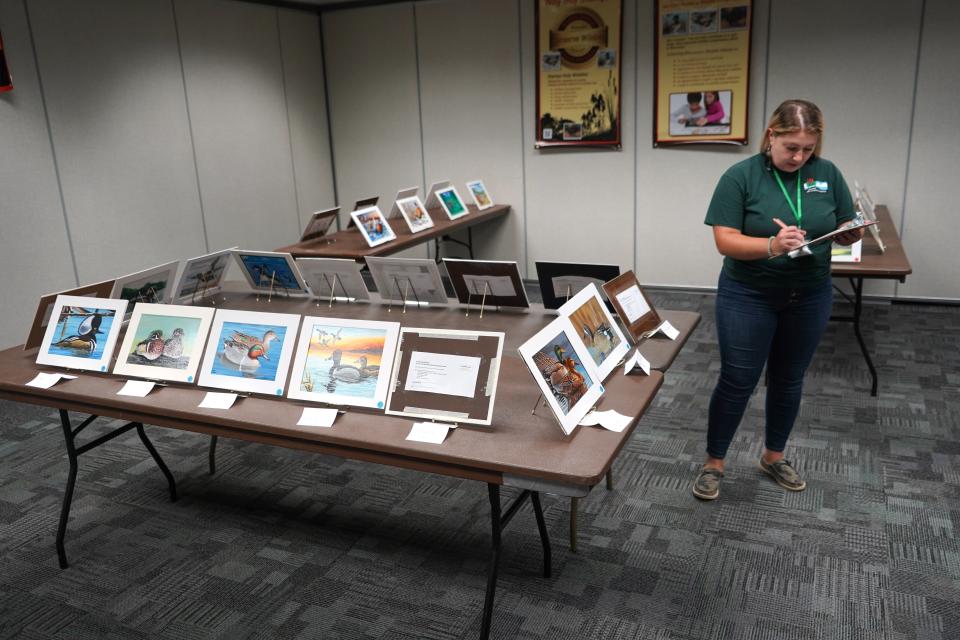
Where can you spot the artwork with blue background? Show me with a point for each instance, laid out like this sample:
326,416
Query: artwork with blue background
343,361
248,350
81,332
265,270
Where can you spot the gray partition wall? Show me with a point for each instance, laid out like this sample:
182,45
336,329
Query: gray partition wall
142,131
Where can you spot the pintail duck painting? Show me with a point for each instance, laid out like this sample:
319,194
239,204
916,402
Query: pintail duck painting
86,337
152,347
246,351
561,375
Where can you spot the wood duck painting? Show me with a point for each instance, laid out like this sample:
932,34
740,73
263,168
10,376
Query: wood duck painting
151,348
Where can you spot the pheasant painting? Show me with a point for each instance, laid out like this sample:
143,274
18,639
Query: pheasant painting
560,371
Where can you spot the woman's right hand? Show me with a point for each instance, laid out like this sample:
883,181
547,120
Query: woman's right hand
788,239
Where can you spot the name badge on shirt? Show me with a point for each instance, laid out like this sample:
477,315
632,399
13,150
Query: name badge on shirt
815,186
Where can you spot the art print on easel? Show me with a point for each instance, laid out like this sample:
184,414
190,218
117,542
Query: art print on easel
164,342
334,278
342,361
202,276
564,372
374,227
452,203
249,351
153,286
271,272
415,214
596,329
560,281
82,332
631,304
41,320
481,197
319,224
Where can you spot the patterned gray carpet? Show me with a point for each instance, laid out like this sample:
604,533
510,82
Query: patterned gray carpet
282,544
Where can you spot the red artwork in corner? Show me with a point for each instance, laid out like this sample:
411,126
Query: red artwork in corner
6,82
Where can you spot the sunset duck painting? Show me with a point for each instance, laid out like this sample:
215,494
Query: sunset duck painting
86,337
152,347
567,384
246,351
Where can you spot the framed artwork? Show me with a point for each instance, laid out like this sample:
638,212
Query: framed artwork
337,278
446,375
320,222
481,197
342,361
82,332
452,203
249,351
560,281
374,227
564,372
153,286
362,203
407,279
271,271
632,305
432,201
596,329
164,342
402,194
415,214
202,276
499,280
41,319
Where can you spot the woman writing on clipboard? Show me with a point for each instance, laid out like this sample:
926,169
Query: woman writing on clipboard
772,309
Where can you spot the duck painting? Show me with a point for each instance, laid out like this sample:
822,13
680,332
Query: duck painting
246,351
152,347
600,341
173,348
86,337
367,371
562,376
343,372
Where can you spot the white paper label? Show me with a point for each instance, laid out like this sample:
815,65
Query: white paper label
431,432
214,400
610,420
136,388
633,304
636,360
491,285
667,329
317,417
443,373
47,380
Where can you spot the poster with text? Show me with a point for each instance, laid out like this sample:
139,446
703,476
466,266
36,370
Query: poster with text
702,71
578,72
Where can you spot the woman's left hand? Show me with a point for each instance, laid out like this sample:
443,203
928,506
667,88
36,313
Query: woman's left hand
848,237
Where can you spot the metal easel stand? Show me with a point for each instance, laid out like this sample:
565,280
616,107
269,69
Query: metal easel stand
499,519
446,238
74,452
857,300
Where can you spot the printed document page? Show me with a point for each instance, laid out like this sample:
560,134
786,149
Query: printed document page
443,373
633,304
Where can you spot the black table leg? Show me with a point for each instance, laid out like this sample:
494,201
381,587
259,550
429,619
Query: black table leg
73,454
857,284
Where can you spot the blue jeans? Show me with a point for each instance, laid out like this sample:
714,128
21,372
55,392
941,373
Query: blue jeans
779,326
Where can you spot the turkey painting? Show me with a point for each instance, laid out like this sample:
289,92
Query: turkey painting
344,361
249,350
593,327
564,374
80,332
163,341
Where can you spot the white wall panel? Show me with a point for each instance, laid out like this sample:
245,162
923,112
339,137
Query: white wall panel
233,72
307,109
675,183
470,96
35,255
929,229
114,94
374,104
580,201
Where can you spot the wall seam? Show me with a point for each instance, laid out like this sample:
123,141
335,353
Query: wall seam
286,110
766,65
53,148
523,138
326,106
193,144
913,113
423,155
636,131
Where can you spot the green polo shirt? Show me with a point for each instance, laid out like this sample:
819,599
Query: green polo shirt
748,198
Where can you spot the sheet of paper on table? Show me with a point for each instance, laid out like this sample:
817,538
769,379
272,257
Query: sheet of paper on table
666,329
491,285
47,380
317,417
137,388
443,373
636,360
633,303
216,400
431,432
609,419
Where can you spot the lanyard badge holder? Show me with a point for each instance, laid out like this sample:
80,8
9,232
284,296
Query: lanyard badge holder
797,211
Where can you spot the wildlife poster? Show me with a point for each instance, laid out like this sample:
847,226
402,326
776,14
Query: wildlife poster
271,272
343,362
82,332
452,203
202,276
249,351
154,285
578,72
374,227
596,328
414,213
564,371
481,197
164,342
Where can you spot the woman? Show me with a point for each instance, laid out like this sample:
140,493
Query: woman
772,308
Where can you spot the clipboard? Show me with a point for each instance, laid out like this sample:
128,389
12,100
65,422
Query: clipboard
827,236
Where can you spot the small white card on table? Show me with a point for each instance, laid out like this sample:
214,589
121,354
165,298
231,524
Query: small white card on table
666,329
636,360
608,419
431,432
216,400
317,417
47,380
136,388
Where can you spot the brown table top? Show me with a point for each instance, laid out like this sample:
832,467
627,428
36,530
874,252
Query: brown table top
350,243
517,443
892,264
